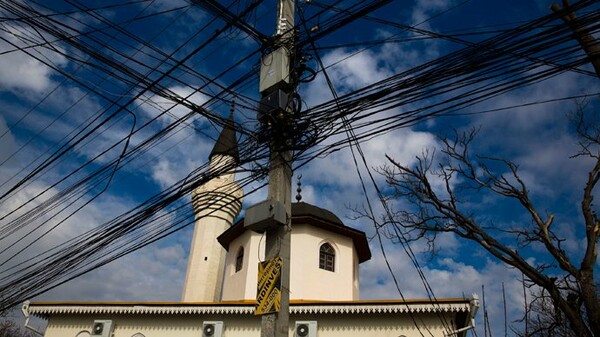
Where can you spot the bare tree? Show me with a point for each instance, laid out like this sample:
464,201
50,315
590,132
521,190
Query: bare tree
542,319
9,328
434,207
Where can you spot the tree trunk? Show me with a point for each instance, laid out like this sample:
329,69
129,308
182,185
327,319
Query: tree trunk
590,300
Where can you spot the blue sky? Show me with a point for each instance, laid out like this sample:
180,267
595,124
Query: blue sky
40,107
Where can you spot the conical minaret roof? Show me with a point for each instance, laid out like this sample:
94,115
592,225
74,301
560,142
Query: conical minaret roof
226,144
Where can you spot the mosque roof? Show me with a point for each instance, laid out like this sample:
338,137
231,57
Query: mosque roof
305,213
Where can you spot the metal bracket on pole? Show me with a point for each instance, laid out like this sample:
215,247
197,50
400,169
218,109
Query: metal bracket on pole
264,215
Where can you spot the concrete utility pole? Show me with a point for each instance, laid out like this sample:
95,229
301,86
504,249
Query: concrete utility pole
280,181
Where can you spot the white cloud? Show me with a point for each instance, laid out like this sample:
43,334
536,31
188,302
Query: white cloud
50,228
184,149
448,277
355,70
9,144
154,273
423,9
533,137
174,163
538,138
20,71
154,105
403,145
162,5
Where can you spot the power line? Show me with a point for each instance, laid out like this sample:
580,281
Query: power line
440,87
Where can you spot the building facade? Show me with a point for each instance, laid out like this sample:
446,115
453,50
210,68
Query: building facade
389,318
219,296
323,252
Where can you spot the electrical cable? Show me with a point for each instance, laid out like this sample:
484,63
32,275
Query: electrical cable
443,86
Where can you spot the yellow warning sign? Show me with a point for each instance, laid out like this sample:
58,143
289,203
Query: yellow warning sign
269,286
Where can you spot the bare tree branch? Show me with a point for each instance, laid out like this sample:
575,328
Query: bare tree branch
435,206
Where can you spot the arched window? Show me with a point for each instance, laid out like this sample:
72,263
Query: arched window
239,260
326,257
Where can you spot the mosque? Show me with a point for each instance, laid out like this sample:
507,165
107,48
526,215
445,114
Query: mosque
219,298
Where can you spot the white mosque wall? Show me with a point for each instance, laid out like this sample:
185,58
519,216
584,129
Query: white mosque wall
247,325
307,281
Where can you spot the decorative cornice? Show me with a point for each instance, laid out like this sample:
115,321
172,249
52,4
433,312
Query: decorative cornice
49,309
212,201
379,309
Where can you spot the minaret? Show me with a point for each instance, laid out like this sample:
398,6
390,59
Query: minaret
216,204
